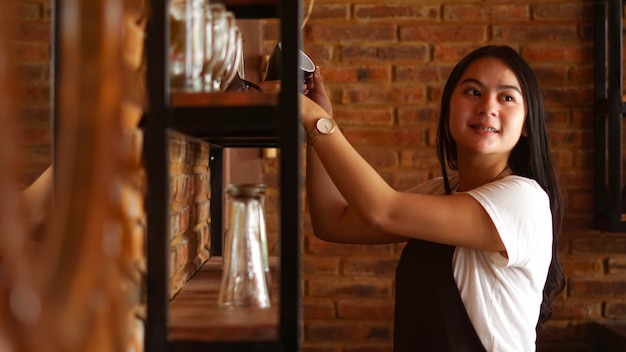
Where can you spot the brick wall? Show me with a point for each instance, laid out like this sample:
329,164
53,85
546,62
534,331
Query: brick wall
31,49
385,64
189,209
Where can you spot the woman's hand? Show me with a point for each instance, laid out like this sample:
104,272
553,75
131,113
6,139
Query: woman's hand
317,91
316,103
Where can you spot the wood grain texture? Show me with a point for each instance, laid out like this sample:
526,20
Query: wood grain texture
195,315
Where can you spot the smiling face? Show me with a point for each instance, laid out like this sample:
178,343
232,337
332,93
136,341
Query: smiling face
487,110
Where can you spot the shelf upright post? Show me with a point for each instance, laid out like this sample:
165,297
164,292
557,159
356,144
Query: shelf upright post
615,114
290,135
609,112
600,118
55,73
156,155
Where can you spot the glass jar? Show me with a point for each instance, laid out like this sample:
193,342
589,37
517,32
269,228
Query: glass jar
245,274
186,44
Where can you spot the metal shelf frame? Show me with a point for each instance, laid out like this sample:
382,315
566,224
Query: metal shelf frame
609,112
279,126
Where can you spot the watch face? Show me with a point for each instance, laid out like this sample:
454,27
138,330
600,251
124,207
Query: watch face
325,126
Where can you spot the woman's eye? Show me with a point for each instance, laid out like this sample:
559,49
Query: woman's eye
508,98
473,92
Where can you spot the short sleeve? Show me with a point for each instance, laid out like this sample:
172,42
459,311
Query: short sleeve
520,211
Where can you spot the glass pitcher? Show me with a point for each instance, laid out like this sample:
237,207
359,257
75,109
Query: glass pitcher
245,275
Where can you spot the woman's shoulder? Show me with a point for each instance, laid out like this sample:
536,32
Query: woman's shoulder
520,183
525,191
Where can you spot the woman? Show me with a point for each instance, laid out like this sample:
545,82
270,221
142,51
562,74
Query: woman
480,267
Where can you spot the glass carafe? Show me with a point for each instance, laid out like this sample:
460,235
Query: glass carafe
245,275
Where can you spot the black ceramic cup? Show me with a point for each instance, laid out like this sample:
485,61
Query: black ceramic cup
274,65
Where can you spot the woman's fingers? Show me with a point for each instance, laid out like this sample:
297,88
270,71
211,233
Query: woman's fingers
318,93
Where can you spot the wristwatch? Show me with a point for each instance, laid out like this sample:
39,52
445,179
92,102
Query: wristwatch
323,125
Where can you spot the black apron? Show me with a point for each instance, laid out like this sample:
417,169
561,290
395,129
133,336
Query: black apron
429,312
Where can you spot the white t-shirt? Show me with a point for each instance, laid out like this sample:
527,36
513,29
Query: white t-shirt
503,296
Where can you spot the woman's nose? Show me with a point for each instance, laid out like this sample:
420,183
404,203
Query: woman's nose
488,106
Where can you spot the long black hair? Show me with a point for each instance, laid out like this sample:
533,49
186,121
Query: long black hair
529,158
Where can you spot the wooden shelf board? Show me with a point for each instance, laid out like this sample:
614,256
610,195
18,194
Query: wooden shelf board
234,99
195,315
249,2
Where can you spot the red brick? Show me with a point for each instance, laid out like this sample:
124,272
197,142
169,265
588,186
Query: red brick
34,31
580,200
536,33
550,75
565,138
562,12
202,211
561,158
35,114
451,52
605,244
313,245
424,159
373,95
328,11
184,218
319,53
576,180
583,117
366,310
486,12
27,11
395,52
569,309
616,266
34,94
393,11
615,310
202,185
174,225
557,118
597,287
371,266
347,331
349,115
35,135
584,159
582,74
316,308
348,287
422,74
588,265
379,158
320,265
444,33
27,52
351,74
558,54
414,116
386,137
47,9
351,33
569,96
